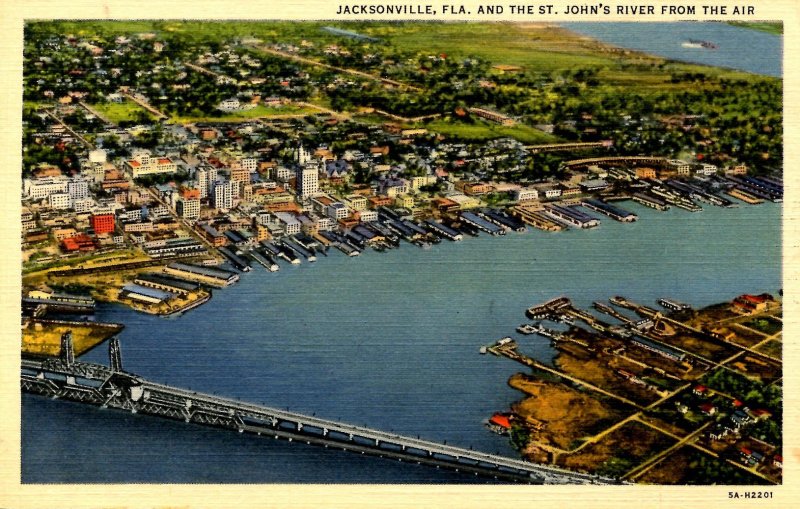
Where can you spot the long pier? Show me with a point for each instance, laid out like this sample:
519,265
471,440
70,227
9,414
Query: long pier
111,387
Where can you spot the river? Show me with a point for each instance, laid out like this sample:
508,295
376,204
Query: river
389,340
739,48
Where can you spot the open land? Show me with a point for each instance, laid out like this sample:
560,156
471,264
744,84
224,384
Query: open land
43,338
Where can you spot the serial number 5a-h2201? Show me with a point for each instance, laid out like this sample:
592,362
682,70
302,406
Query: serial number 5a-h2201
750,494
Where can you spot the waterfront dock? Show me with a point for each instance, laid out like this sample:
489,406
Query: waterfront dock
502,220
268,264
482,224
212,276
741,194
537,219
612,211
237,261
571,215
549,308
650,201
442,230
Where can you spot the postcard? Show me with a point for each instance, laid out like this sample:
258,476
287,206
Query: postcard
402,253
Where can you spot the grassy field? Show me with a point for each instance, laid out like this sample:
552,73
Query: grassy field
488,131
531,46
45,338
259,111
771,27
118,112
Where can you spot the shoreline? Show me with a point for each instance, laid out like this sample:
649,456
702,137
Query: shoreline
673,60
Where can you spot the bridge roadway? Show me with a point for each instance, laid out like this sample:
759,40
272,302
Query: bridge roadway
125,391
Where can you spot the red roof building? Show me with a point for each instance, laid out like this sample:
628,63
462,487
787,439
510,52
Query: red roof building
102,223
500,420
708,409
80,242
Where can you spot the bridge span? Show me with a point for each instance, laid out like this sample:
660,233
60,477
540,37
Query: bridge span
112,387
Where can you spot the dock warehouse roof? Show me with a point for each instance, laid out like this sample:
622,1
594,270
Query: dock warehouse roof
205,271
179,284
153,293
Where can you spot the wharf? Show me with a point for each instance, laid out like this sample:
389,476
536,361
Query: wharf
237,261
611,211
743,195
571,216
442,230
482,224
551,307
537,219
612,312
502,220
208,275
267,264
650,201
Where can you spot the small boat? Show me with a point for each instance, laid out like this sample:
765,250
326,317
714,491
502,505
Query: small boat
696,43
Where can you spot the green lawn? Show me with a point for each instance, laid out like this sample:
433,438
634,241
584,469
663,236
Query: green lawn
242,116
772,27
487,131
35,105
535,48
118,112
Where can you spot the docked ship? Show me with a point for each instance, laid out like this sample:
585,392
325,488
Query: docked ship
696,43
528,328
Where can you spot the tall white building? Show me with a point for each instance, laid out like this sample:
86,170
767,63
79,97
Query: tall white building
83,205
78,188
188,208
303,156
223,195
37,189
60,201
308,180
249,163
206,177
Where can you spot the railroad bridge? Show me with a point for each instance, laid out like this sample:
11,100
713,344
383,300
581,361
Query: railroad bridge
112,387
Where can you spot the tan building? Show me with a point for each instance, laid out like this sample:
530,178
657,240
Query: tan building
645,173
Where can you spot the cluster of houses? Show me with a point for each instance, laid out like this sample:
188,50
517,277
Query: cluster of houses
738,417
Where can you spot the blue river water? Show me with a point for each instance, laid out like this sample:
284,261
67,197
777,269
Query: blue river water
737,47
389,340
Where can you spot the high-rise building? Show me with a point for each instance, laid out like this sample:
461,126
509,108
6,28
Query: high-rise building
206,177
307,180
188,208
78,188
303,157
223,195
